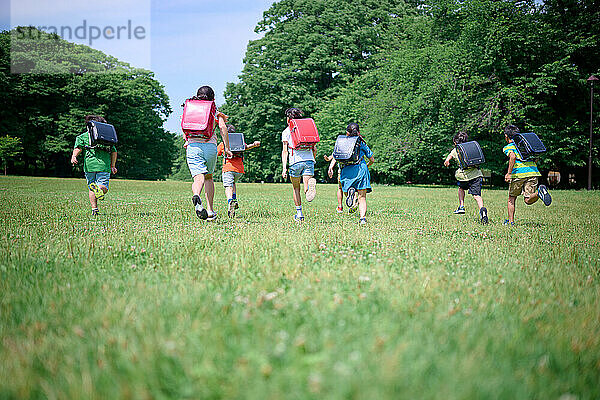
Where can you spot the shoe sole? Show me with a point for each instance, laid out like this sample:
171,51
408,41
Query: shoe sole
544,195
212,217
312,189
484,217
350,198
99,193
459,212
231,208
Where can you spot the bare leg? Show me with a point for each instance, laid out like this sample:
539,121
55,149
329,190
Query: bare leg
511,208
340,197
305,179
93,200
229,190
479,201
234,189
198,184
362,202
104,188
531,199
296,190
461,197
209,187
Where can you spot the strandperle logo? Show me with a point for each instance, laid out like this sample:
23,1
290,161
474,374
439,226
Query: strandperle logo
86,31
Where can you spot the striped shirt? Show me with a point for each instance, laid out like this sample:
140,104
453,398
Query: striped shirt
522,169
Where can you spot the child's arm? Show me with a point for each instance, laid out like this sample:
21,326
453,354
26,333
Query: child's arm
327,158
253,145
371,161
76,152
447,160
511,163
224,135
113,162
331,165
284,157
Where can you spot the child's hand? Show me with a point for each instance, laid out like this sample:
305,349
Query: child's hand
330,172
221,115
284,173
446,163
257,143
74,160
228,153
507,177
327,158
113,170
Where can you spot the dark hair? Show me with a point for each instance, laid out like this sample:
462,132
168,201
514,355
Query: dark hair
205,93
230,128
352,129
511,131
293,113
97,118
460,137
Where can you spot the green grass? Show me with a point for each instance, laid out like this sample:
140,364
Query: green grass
147,301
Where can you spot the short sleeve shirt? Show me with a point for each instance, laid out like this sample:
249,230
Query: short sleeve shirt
522,169
296,156
95,159
466,174
235,164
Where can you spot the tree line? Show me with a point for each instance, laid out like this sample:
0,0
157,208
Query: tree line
413,73
60,83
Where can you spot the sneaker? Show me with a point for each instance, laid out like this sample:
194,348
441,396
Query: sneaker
298,218
363,221
544,195
200,210
484,215
231,207
508,223
340,210
99,193
350,198
460,210
312,189
95,212
211,217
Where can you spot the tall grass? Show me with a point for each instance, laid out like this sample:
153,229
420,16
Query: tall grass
147,301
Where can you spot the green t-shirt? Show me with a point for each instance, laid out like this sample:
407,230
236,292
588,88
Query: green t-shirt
96,159
465,174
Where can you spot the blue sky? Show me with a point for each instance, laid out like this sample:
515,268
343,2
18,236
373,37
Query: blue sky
190,43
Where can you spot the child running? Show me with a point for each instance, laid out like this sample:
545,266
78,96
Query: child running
302,165
468,179
98,162
522,176
201,154
356,177
233,168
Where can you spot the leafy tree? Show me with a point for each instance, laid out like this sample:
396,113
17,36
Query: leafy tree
10,148
45,107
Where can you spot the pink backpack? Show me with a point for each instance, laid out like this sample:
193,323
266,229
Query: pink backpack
198,118
303,133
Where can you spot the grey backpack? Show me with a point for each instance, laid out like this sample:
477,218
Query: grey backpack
346,149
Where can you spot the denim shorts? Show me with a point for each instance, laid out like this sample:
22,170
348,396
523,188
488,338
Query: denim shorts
302,168
230,177
201,158
99,178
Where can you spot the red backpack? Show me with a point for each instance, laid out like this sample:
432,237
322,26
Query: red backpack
303,132
198,118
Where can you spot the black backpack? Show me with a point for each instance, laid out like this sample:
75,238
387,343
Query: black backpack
469,154
237,145
529,145
101,134
346,149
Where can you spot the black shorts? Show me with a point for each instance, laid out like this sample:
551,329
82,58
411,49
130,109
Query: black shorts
474,186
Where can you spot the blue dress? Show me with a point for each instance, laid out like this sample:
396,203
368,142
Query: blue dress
357,175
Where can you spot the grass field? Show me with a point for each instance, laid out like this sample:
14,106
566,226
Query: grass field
147,301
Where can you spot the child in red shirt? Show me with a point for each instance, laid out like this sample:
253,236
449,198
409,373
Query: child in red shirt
233,168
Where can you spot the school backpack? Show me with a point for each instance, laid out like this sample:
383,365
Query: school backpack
101,134
528,145
237,145
198,118
346,150
304,134
469,154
